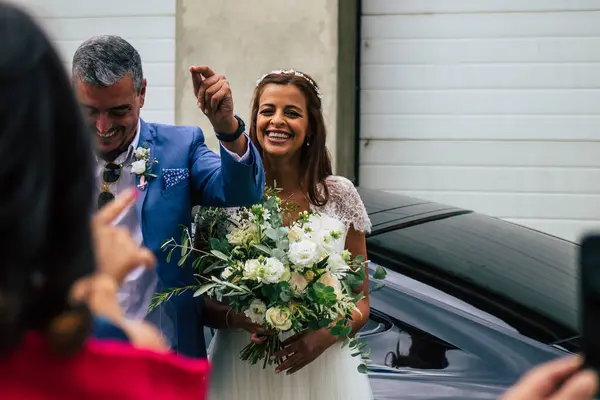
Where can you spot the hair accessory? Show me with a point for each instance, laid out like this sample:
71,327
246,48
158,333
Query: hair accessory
291,72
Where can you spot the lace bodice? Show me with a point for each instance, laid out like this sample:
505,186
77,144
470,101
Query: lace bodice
345,204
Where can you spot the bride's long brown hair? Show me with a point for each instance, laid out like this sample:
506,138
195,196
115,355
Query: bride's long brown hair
315,159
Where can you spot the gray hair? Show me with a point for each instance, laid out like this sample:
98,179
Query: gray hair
105,60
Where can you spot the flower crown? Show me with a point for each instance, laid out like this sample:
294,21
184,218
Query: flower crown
292,72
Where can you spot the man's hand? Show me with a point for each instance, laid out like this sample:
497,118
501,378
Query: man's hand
214,98
556,380
117,254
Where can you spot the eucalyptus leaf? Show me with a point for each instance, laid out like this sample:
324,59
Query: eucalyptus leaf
279,253
182,260
204,288
380,273
214,266
272,234
346,331
228,284
377,287
362,368
197,262
220,255
263,248
184,247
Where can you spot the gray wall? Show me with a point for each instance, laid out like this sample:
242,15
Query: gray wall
245,39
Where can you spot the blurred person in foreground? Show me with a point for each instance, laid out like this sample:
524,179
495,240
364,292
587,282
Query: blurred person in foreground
60,273
561,379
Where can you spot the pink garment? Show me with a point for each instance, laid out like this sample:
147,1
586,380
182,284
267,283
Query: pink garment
104,370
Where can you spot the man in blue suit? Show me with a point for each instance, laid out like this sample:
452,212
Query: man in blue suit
173,170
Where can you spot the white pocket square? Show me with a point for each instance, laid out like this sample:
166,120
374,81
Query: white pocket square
172,176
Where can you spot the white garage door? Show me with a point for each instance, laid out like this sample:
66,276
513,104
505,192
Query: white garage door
491,105
149,25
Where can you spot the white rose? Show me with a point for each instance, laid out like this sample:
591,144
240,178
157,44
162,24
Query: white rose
303,253
298,282
296,234
252,269
141,152
269,271
138,167
227,272
279,318
314,222
274,270
256,311
336,265
329,280
326,239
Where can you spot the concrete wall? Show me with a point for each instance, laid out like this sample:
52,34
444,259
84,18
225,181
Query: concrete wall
245,39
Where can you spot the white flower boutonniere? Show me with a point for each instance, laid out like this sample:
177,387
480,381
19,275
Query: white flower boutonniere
142,167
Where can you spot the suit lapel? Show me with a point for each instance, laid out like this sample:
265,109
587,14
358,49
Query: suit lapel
145,138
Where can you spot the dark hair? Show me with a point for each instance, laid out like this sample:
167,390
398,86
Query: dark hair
315,160
47,187
105,60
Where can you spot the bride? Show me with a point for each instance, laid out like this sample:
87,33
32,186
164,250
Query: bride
288,129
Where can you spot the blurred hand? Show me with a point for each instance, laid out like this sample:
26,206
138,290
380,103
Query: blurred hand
144,335
556,380
214,98
99,292
117,254
303,348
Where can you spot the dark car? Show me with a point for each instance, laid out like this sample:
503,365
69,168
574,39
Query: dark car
470,302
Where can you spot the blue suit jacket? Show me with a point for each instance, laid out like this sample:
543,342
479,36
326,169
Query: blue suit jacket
188,173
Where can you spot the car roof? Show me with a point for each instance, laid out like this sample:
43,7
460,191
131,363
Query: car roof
391,211
531,268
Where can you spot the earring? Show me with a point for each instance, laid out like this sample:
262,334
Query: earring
307,141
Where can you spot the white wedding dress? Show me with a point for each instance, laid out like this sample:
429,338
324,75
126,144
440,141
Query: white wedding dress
332,376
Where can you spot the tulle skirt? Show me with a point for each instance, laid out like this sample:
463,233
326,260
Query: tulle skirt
332,376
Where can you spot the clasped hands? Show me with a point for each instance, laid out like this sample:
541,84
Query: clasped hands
298,350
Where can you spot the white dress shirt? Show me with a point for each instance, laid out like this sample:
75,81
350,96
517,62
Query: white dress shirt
140,285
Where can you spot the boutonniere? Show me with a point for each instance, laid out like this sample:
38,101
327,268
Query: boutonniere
142,167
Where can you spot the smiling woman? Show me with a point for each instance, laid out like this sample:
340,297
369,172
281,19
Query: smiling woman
281,121
287,122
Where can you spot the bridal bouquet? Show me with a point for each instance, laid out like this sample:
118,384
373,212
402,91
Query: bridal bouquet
287,279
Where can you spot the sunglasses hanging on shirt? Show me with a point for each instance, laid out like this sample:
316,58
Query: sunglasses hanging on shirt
110,175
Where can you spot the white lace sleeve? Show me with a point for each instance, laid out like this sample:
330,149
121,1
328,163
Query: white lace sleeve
346,205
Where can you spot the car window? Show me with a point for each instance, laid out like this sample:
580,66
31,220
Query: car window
402,346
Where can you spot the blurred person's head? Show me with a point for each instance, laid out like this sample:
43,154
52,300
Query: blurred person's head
110,85
46,179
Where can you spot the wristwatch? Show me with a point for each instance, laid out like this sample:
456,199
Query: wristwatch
232,137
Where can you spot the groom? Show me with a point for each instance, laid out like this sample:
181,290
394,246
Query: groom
173,170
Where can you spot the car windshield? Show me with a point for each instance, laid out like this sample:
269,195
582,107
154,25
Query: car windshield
535,270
